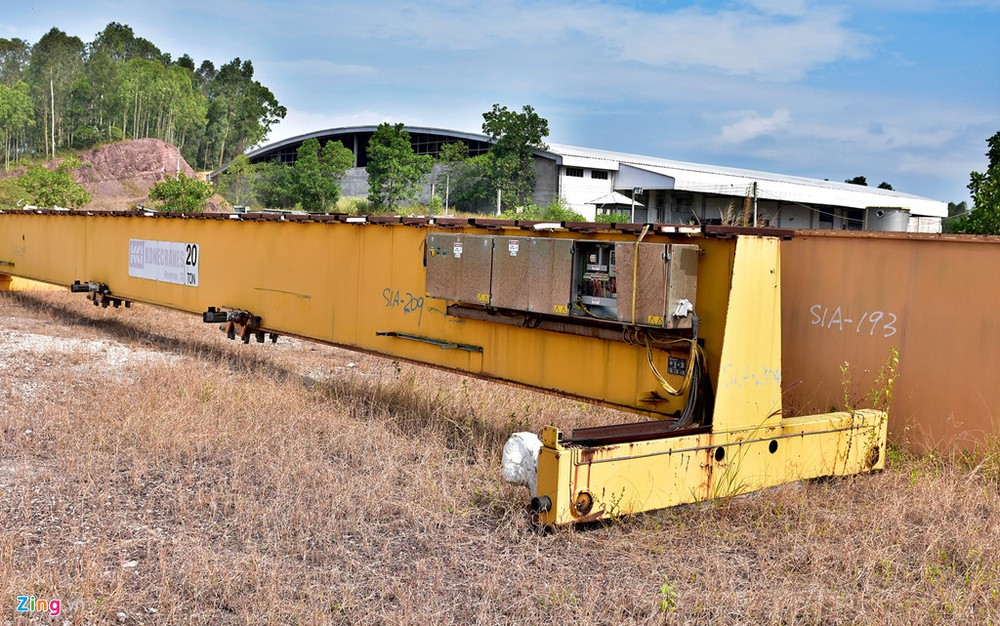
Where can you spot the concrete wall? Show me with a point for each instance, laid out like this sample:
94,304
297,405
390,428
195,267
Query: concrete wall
546,181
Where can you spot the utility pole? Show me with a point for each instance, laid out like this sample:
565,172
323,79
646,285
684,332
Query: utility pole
755,204
635,191
498,201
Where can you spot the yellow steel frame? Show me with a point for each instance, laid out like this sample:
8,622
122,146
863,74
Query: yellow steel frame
750,445
350,284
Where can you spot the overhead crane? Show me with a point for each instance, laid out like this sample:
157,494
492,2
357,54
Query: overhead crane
678,325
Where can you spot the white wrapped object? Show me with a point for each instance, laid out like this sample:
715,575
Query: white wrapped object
520,460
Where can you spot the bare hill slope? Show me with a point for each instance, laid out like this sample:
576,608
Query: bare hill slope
120,175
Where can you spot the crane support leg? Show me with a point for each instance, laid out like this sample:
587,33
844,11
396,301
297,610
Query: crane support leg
584,483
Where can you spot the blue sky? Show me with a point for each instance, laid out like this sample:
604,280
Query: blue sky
904,91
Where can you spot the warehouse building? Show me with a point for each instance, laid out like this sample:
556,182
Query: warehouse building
650,189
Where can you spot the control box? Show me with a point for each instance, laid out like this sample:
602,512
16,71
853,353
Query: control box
459,267
531,274
657,283
646,284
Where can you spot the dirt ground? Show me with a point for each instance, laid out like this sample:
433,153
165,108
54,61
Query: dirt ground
152,472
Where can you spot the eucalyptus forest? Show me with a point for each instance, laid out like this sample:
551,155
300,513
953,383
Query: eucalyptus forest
61,93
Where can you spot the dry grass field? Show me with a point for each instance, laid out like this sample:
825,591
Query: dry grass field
152,472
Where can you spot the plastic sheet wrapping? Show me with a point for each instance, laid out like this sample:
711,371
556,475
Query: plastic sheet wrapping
520,460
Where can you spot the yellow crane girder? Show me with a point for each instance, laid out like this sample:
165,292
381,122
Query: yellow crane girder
363,286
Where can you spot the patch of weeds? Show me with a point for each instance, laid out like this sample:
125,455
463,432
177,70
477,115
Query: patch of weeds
895,457
611,504
986,459
668,596
562,596
879,397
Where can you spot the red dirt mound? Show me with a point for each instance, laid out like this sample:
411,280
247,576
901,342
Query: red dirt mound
120,175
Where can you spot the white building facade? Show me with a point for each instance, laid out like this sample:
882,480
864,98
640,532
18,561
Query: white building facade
671,192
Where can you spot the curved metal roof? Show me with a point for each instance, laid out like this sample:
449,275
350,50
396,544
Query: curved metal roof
687,176
346,130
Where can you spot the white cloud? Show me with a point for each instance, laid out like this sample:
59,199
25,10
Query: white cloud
753,125
742,42
776,39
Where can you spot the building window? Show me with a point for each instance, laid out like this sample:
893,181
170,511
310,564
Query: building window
854,219
599,174
576,172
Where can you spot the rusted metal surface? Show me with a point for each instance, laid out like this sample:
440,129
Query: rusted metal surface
848,298
582,326
625,433
732,231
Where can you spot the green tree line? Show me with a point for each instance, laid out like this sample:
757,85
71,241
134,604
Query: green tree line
61,93
396,175
984,187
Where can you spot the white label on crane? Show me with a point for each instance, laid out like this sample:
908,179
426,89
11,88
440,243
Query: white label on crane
164,261
457,249
512,246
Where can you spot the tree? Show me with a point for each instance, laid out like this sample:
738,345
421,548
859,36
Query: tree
885,185
122,85
160,101
455,168
857,180
119,42
181,194
318,173
955,211
238,184
984,219
14,55
186,62
515,138
241,112
468,181
43,187
993,154
275,184
95,103
56,60
395,173
16,116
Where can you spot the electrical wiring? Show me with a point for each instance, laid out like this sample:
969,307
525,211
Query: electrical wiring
695,358
583,307
696,384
